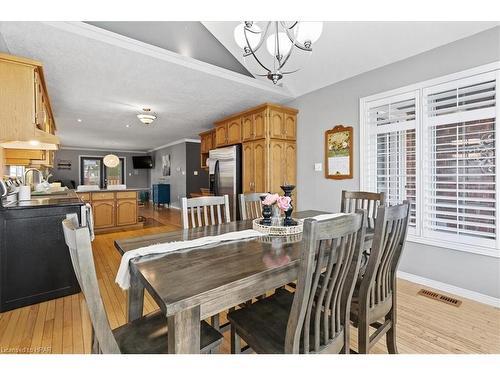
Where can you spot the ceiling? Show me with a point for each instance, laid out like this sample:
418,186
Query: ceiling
190,78
105,79
189,39
346,49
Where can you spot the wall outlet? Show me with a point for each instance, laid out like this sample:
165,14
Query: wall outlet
195,173
318,167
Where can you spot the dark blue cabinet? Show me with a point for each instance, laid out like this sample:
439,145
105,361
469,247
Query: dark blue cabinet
161,194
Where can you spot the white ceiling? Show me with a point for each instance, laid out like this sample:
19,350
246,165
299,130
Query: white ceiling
346,49
105,79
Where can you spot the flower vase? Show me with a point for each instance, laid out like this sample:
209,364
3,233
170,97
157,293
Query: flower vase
288,221
267,212
276,218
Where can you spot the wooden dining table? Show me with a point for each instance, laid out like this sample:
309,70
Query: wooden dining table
194,284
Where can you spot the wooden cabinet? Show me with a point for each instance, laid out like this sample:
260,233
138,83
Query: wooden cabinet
276,165
25,111
221,135
228,133
206,141
276,124
104,213
247,128
34,158
282,164
207,144
268,135
112,209
254,126
282,125
290,127
254,166
234,132
126,211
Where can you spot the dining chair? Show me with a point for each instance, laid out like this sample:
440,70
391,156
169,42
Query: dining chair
375,291
352,200
204,211
315,318
250,205
146,335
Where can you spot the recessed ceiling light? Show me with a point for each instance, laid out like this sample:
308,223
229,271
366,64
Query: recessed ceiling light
127,126
79,119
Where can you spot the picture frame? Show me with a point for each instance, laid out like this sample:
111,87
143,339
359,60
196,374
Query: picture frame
338,153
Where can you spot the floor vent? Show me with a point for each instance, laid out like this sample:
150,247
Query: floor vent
440,297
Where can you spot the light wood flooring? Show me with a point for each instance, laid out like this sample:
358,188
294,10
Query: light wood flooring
63,326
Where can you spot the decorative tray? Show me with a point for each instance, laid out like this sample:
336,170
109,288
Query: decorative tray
280,230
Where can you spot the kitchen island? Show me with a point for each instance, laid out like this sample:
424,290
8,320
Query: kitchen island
113,209
35,264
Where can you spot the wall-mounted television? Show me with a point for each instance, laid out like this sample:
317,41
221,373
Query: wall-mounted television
142,162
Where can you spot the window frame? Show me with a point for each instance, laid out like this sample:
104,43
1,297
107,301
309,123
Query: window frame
418,235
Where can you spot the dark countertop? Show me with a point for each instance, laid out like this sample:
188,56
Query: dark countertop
56,200
110,190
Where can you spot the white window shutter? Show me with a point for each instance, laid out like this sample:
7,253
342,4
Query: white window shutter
459,160
391,149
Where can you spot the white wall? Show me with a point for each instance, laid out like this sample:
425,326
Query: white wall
339,104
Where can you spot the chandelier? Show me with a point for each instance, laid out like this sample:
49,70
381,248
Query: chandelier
282,39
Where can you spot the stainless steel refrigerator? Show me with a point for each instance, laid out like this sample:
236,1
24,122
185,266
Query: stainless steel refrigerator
224,168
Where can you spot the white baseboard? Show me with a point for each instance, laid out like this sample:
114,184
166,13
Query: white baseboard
470,294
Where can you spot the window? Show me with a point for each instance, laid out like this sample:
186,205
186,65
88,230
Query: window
392,153
94,172
434,144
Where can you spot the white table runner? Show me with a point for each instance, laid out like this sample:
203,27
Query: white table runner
123,274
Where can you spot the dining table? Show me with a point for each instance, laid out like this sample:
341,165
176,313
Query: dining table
198,283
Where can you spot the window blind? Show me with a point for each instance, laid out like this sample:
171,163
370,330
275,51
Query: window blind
392,149
459,178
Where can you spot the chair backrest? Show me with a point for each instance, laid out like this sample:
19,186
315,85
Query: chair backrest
378,282
353,200
80,249
329,265
250,205
204,211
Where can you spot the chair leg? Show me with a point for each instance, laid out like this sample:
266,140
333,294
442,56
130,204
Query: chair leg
235,342
215,321
363,337
390,336
95,344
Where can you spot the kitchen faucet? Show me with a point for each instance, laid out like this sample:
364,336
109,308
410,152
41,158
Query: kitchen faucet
32,184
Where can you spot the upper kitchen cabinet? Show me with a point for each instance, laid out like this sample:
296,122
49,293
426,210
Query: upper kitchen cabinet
207,144
228,132
283,123
26,119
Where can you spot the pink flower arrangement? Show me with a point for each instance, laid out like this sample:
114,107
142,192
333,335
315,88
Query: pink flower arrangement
282,202
270,199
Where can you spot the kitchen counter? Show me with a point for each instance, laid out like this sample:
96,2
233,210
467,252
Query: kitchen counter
110,190
49,200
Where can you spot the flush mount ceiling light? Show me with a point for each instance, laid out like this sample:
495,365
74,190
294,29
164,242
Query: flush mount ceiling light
146,118
282,39
111,161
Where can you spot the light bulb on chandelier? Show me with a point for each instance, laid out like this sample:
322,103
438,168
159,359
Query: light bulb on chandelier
282,39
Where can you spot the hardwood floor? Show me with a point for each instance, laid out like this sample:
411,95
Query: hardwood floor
63,325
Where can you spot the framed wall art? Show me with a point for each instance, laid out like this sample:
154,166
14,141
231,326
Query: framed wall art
338,152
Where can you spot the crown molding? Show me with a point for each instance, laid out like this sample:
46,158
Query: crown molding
183,140
103,150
